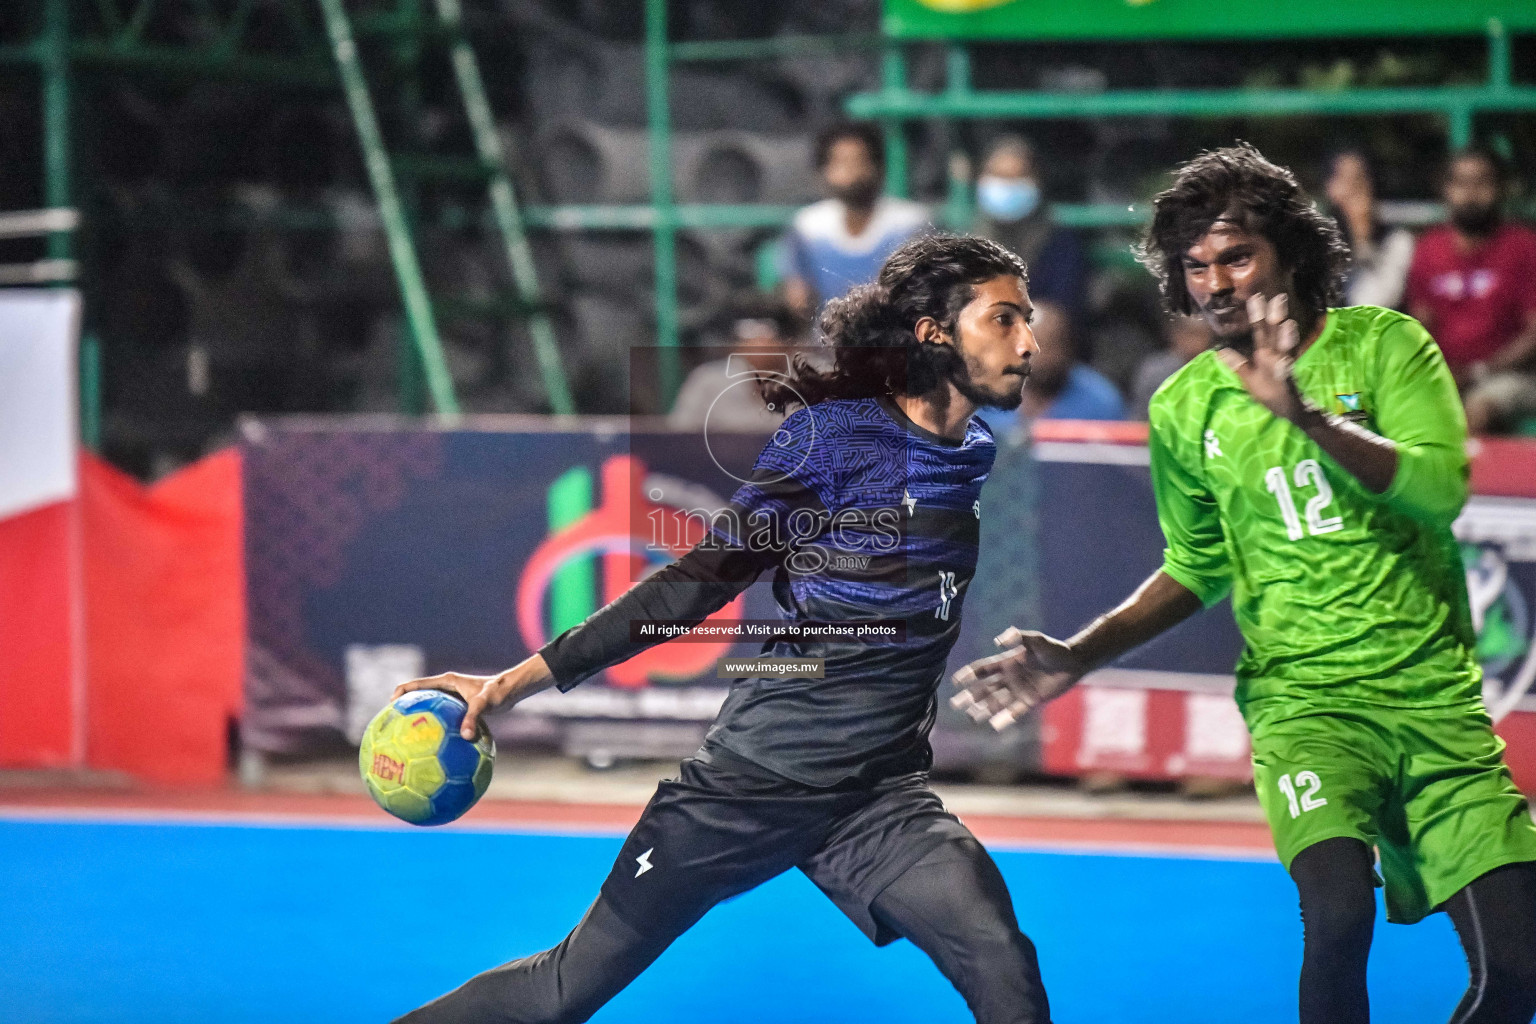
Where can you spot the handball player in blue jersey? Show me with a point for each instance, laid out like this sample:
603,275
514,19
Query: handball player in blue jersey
865,505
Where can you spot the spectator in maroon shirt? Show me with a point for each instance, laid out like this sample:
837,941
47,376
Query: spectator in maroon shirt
1473,284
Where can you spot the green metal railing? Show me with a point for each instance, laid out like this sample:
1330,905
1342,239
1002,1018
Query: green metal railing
1458,104
658,107
489,167
509,222
53,51
381,174
220,52
118,42
894,104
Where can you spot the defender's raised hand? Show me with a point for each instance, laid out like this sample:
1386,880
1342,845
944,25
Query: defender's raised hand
1267,373
1001,689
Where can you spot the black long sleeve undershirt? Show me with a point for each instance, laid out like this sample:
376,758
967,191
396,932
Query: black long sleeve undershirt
700,583
708,577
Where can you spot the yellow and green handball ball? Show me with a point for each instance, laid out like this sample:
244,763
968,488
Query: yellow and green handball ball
417,766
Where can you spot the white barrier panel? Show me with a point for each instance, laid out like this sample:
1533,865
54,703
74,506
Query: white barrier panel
38,330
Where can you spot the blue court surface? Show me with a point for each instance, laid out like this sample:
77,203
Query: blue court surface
124,922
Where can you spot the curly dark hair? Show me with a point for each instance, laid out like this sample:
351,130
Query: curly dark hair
1238,183
871,330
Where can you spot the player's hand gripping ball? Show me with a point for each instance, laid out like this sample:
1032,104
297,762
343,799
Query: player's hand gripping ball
417,766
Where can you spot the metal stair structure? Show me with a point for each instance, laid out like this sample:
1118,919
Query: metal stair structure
386,169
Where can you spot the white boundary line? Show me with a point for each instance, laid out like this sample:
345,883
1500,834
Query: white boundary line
1094,452
1164,851
316,822
297,822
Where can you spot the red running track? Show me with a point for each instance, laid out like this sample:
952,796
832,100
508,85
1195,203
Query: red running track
1244,840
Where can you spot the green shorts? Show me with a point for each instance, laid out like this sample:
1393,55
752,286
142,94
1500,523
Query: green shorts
1427,787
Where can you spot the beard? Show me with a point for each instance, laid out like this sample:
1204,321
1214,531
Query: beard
1009,395
1475,220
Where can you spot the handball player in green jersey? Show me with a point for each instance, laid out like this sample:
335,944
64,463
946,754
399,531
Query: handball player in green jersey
1311,466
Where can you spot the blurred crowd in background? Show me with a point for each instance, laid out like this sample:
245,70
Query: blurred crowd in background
232,261
1471,280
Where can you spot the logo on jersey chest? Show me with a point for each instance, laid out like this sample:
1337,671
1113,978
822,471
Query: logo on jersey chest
1350,407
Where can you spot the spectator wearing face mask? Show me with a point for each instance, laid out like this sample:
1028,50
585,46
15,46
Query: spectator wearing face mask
1379,255
843,240
1473,284
1012,211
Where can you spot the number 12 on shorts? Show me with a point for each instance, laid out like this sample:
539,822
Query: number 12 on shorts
1302,794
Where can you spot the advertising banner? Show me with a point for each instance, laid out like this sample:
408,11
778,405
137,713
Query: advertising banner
1195,19
1166,709
376,554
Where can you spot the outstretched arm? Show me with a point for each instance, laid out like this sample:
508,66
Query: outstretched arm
695,586
689,590
1037,668
1196,572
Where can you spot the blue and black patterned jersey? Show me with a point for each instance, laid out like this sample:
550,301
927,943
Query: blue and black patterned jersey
861,514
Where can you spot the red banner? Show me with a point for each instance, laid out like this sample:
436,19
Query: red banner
39,637
165,619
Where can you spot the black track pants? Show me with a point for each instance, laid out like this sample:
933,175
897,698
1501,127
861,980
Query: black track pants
1495,916
951,903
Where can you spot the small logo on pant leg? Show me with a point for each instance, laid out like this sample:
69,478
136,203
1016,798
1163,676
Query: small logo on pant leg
947,593
644,860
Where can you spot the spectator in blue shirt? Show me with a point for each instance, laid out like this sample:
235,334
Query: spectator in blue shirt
1059,387
1011,210
844,240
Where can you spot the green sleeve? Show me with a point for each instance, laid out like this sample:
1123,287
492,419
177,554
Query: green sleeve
1196,555
1419,410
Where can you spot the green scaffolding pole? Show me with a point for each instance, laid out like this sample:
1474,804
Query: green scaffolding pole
893,76
1192,102
58,194
90,391
1459,105
504,209
56,133
402,249
957,199
659,118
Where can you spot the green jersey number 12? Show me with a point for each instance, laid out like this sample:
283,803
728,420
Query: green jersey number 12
1307,473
